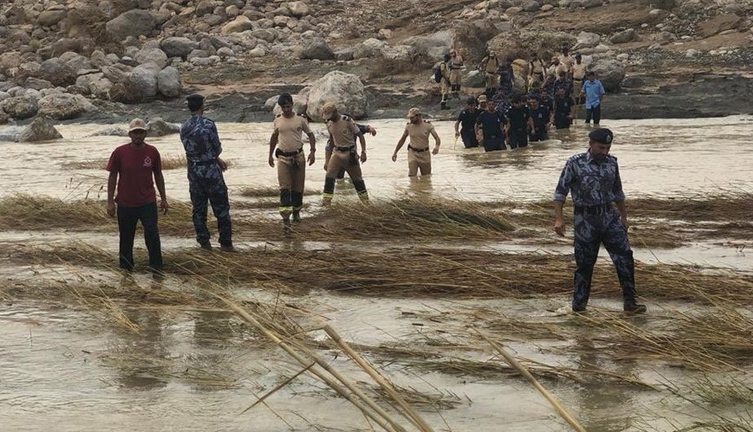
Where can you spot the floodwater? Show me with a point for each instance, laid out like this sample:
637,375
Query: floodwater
198,370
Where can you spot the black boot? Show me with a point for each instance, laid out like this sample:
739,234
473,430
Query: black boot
633,308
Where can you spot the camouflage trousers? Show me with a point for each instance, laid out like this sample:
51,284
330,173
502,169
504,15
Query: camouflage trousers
213,191
591,230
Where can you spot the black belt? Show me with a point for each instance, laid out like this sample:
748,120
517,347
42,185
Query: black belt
418,150
279,152
206,162
346,149
593,210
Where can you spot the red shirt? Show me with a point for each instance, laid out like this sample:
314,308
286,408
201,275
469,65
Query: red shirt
135,168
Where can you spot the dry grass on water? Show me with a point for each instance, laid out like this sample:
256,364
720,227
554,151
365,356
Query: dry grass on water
270,192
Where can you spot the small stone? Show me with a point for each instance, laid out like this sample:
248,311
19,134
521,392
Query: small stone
691,53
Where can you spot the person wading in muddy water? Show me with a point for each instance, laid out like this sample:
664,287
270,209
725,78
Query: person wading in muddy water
342,130
286,145
206,182
418,130
594,180
132,167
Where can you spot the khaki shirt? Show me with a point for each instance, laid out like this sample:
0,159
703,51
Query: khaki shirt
537,67
342,131
444,70
579,71
290,132
490,64
457,62
561,68
419,134
568,61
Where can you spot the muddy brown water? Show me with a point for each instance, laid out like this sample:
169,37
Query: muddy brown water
197,370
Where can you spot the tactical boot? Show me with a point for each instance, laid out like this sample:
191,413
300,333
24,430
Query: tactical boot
579,308
633,308
206,245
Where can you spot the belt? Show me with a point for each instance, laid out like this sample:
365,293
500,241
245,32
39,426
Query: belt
279,152
418,150
593,210
346,149
206,162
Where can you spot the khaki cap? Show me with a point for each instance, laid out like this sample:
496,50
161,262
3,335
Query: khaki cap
328,108
413,112
137,124
482,99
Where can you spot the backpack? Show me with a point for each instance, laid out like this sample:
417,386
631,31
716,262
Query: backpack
438,74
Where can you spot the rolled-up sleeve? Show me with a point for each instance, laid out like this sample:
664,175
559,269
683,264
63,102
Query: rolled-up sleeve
563,185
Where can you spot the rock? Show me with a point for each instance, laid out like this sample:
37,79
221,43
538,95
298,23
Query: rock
241,23
178,46
134,23
588,4
96,85
345,54
20,107
10,60
298,9
624,36
346,90
76,62
259,51
111,131
530,6
3,119
547,8
318,49
51,16
158,127
719,24
225,52
151,55
37,84
41,129
474,79
370,48
63,106
168,82
117,73
204,7
586,40
692,53
520,45
400,53
384,34
513,10
57,72
610,72
434,46
142,83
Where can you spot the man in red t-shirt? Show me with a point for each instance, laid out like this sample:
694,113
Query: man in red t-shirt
135,163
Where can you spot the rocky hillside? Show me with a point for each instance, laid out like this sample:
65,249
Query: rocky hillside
90,60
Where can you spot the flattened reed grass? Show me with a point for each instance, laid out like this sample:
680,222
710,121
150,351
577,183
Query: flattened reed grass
270,192
28,212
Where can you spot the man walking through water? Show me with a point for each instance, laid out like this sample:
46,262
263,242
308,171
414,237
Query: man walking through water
342,131
131,168
286,145
594,94
594,180
419,130
206,183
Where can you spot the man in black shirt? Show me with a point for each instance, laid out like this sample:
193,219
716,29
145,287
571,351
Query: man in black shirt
517,122
492,124
467,121
541,119
563,109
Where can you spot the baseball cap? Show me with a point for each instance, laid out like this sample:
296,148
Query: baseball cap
328,108
413,112
136,124
602,135
482,99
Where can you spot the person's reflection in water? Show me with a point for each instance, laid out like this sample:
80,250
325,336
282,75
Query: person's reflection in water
602,405
142,362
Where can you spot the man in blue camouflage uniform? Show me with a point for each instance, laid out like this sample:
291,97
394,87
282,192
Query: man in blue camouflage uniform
206,182
594,180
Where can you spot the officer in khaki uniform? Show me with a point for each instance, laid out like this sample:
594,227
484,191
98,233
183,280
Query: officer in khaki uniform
455,65
567,61
489,65
418,130
342,129
579,74
537,70
286,145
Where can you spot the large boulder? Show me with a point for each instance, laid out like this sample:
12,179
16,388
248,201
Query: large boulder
142,83
610,72
434,46
56,71
298,9
134,23
20,107
158,127
63,106
95,84
241,23
346,90
624,36
168,82
41,129
76,62
586,40
151,55
178,46
470,39
317,49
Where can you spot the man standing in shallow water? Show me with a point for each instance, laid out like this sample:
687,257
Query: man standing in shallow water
205,180
418,150
286,145
135,163
594,180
